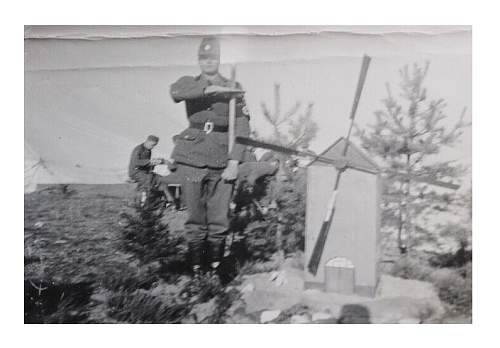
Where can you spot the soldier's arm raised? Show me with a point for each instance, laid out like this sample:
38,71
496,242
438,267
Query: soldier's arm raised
227,92
187,88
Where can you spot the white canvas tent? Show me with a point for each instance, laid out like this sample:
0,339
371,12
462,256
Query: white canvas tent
92,93
32,165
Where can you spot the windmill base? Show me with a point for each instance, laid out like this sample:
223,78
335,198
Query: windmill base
361,290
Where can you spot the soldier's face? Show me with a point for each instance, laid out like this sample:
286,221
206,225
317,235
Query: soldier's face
209,65
150,144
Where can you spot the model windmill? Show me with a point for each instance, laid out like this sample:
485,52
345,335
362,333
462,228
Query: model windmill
348,232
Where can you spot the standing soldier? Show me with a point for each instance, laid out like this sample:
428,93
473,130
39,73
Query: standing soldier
201,153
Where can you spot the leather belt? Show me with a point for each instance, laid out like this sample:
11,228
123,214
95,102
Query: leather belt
208,127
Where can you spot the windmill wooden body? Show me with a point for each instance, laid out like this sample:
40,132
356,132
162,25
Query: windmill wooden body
354,231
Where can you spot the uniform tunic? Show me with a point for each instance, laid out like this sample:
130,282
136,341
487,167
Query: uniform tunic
201,157
140,169
194,146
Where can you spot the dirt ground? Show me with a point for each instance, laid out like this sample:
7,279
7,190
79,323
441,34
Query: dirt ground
71,239
72,243
75,234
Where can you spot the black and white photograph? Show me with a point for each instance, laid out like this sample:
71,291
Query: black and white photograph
219,174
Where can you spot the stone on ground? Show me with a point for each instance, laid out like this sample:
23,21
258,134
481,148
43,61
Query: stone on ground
249,287
202,311
409,321
267,316
317,316
300,319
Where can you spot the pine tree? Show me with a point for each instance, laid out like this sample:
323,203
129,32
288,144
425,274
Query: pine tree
291,128
284,195
459,231
408,137
146,235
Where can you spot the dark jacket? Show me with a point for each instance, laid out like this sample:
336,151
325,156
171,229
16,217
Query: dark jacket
193,146
140,161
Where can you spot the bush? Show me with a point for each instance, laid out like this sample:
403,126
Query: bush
411,268
149,239
455,288
201,299
50,302
454,285
141,306
260,240
272,218
133,275
158,292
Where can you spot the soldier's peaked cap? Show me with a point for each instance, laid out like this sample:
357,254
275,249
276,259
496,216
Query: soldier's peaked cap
209,47
153,138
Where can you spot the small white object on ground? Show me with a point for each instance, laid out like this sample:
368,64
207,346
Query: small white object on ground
279,278
409,321
300,319
215,264
268,316
39,224
202,311
321,316
273,276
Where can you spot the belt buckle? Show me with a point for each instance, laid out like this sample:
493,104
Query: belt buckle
208,127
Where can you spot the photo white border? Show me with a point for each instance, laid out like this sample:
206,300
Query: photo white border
485,169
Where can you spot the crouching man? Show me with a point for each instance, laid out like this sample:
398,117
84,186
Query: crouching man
141,169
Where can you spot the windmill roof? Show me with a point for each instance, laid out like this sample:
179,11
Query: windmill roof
354,156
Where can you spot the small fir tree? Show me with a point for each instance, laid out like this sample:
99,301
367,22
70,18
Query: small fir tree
283,196
148,237
407,138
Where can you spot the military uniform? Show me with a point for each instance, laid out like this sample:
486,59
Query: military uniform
140,169
201,153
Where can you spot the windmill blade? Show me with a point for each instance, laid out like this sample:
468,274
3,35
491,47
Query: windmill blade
268,146
339,163
434,182
425,179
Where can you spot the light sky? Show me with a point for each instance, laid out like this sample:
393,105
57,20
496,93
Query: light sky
89,100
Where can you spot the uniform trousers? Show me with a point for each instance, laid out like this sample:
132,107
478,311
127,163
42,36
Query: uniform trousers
207,197
148,181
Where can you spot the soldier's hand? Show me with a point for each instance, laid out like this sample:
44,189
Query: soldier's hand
231,171
157,161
